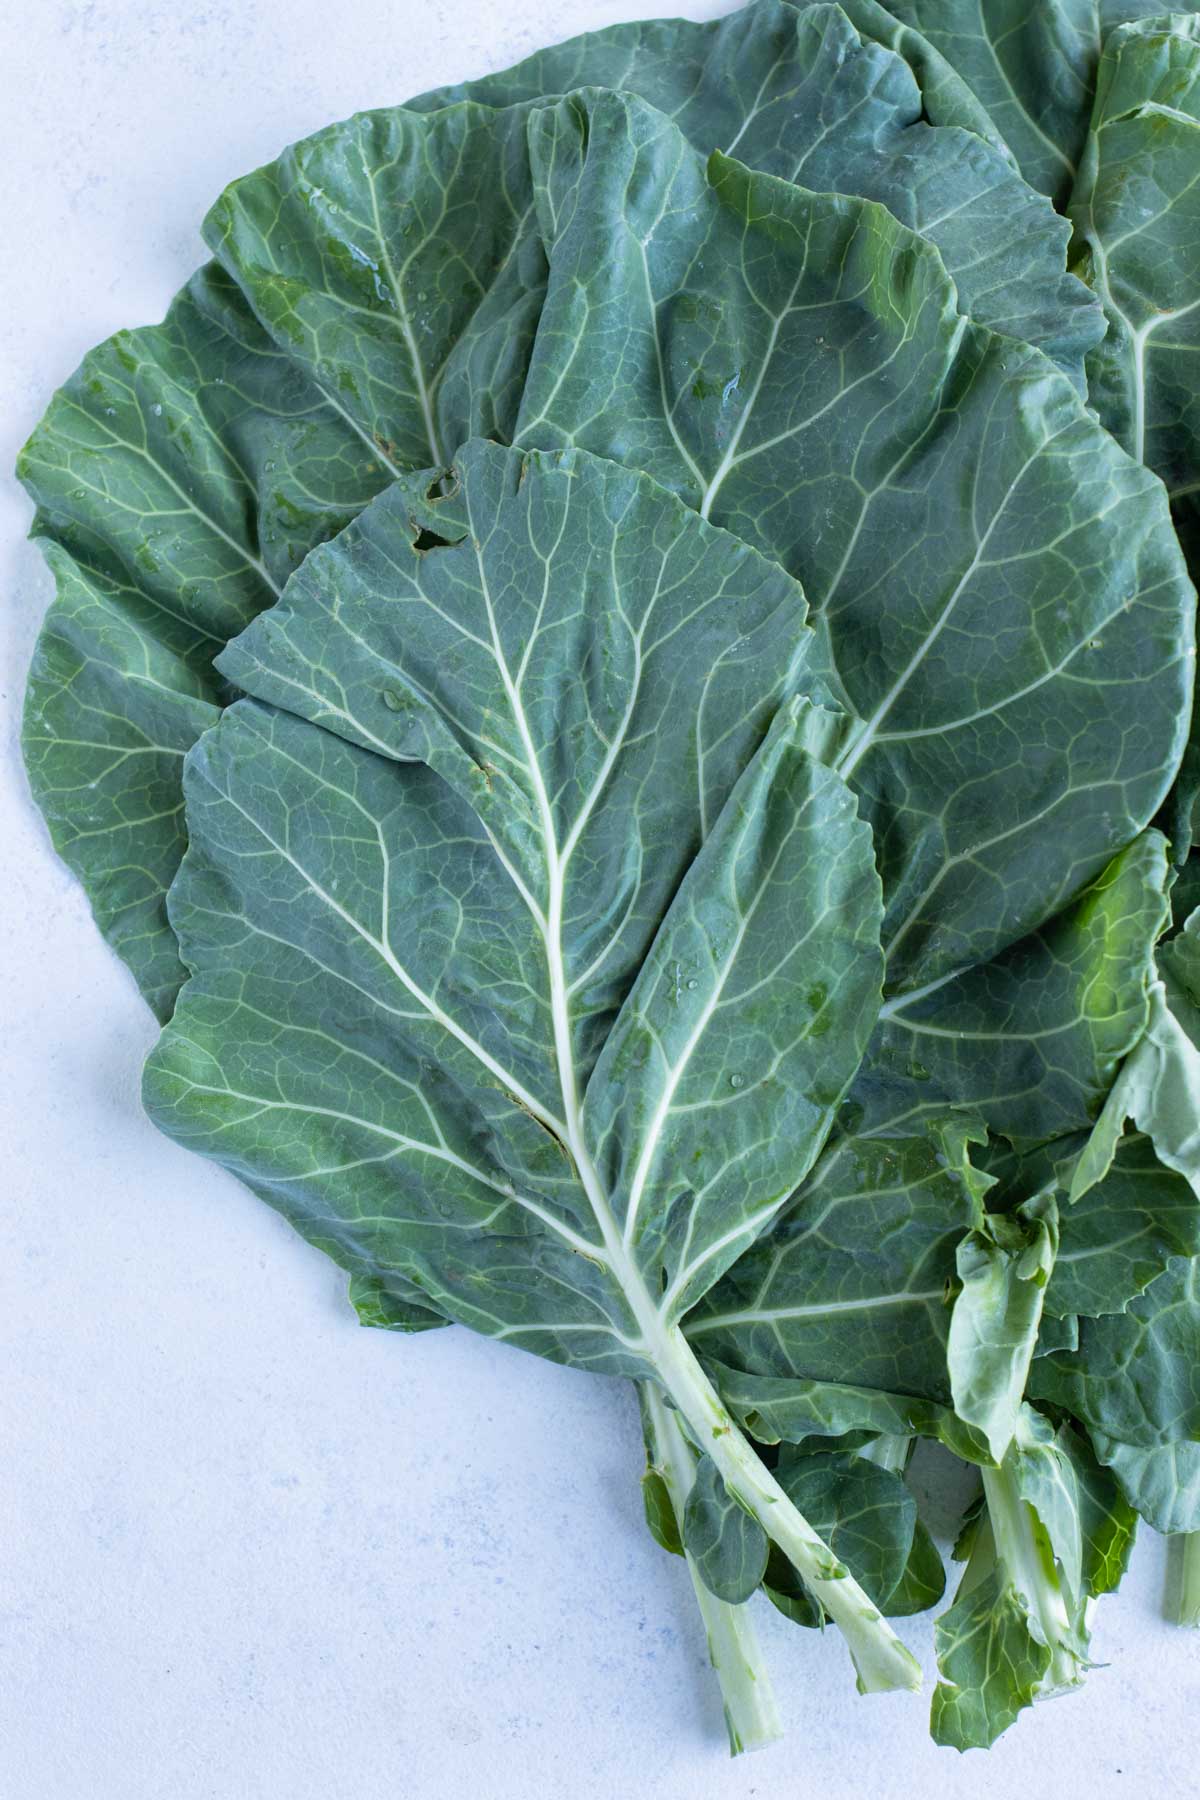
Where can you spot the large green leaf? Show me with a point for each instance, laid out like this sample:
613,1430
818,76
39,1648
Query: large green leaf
552,1020
808,96
795,367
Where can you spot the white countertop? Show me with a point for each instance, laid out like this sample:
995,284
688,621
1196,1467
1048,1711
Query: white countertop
249,1551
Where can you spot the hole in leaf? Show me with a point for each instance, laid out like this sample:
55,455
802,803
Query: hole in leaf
431,540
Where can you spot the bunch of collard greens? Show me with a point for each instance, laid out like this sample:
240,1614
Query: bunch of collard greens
621,677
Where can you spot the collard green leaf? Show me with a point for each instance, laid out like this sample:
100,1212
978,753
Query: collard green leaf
817,393
866,1515
1134,1377
808,96
1121,1234
727,1545
393,1024
1031,68
508,851
391,258
179,477
1108,1524
1017,1629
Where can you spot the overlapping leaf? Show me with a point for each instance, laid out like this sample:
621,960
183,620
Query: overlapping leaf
795,367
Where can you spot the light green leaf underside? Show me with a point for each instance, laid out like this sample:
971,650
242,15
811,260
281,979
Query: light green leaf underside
386,1026
1003,1264
990,1662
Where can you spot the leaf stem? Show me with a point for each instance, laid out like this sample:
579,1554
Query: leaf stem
1187,1586
751,1715
1028,1561
881,1660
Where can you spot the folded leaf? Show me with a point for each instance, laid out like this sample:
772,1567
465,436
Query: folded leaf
1004,1264
1017,1629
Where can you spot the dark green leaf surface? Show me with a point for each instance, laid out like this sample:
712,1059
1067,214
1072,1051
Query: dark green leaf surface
1032,68
867,1517
727,1546
808,96
1120,1235
1136,1375
794,366
180,476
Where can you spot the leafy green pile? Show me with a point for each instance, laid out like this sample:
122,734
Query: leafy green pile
621,677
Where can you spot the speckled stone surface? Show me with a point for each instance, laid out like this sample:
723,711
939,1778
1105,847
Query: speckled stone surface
249,1551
